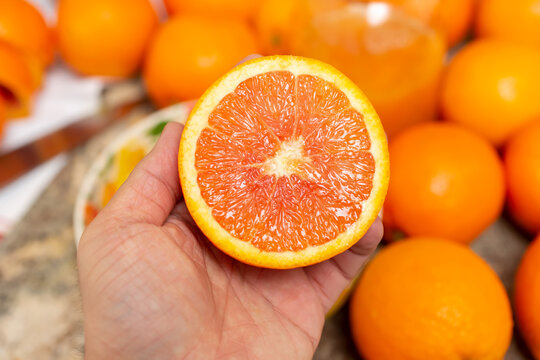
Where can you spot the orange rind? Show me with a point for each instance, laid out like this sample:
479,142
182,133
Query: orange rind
283,162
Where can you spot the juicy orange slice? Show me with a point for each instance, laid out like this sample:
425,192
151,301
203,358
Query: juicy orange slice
283,162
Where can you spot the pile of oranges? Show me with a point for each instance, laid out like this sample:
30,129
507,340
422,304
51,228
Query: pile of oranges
455,84
179,57
426,295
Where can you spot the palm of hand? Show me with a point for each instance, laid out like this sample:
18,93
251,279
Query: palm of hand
154,287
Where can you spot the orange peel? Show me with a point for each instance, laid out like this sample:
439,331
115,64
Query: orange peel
283,162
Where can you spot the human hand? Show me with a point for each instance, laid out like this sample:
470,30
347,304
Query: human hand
153,287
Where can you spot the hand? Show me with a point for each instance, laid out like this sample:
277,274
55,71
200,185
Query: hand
153,287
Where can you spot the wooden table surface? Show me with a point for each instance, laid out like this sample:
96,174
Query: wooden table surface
40,309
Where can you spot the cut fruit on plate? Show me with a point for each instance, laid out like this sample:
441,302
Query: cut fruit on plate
283,162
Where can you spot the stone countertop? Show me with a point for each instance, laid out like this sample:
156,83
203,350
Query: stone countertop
40,308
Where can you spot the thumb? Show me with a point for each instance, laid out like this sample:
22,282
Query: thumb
153,188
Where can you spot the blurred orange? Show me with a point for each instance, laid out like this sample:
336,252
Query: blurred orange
452,17
527,297
517,21
225,9
190,52
522,165
105,37
395,59
492,87
23,27
16,82
425,298
274,23
446,182
2,116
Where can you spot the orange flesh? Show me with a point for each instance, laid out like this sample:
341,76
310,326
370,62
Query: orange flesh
284,162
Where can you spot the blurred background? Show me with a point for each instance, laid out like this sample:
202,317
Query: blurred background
455,83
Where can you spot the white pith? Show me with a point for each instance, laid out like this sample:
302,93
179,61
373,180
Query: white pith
287,159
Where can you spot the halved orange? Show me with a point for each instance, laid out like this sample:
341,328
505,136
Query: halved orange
16,82
283,162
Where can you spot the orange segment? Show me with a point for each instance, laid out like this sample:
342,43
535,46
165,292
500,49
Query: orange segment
16,82
283,162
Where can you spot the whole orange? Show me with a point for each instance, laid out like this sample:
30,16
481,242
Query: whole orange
225,9
452,17
491,87
518,21
393,57
105,37
190,52
527,297
424,298
23,27
522,166
446,182
274,21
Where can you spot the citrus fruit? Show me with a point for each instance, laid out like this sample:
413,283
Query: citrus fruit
23,27
394,58
190,52
283,162
224,9
527,297
105,37
274,21
16,82
517,21
452,17
424,298
492,87
522,165
446,182
2,116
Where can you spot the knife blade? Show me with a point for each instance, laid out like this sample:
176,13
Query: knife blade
17,162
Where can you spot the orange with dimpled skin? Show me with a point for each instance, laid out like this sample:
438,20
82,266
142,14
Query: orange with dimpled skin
516,21
104,37
427,298
491,87
522,166
197,50
446,182
527,297
452,17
